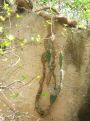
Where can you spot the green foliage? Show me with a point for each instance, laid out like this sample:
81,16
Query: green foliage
79,9
45,94
6,41
36,39
48,22
2,19
20,65
14,95
8,9
19,114
44,1
72,8
24,77
76,9
47,1
18,16
22,43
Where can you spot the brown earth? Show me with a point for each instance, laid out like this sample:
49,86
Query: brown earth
75,83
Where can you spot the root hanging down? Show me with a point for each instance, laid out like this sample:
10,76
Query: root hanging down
48,63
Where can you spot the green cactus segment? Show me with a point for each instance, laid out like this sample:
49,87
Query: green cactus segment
60,59
48,56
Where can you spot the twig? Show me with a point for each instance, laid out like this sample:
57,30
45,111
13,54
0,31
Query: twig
61,19
7,86
45,8
12,65
28,82
7,102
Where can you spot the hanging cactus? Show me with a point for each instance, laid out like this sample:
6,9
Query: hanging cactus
48,55
52,98
60,59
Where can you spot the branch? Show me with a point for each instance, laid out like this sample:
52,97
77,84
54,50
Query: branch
8,86
6,102
45,8
29,82
60,19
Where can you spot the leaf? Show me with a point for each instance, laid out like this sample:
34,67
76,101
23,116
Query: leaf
38,38
19,113
18,16
48,56
2,18
10,37
14,95
5,6
48,22
22,44
6,43
45,94
24,77
20,65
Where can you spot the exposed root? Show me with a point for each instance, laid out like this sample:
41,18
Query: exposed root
48,63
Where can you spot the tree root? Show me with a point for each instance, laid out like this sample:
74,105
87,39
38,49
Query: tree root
48,62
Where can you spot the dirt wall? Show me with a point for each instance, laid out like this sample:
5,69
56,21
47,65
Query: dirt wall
75,82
